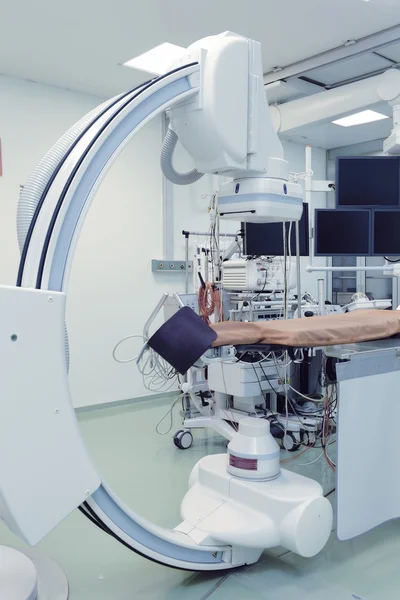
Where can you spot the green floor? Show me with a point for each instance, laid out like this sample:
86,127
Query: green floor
150,474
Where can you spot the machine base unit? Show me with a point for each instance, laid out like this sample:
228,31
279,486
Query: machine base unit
289,511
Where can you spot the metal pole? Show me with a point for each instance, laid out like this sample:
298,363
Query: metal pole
285,294
187,262
298,269
229,235
168,206
205,264
321,296
268,302
146,328
308,199
311,269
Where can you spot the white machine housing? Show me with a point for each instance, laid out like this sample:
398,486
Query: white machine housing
253,453
50,472
362,304
242,379
257,275
260,200
227,129
289,511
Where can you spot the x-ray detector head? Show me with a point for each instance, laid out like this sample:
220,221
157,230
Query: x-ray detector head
227,129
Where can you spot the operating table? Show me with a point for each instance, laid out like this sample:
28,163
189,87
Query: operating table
184,338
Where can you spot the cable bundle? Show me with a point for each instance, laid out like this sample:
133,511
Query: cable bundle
210,302
326,415
157,374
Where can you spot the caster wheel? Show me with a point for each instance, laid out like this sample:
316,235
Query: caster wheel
183,439
290,443
308,438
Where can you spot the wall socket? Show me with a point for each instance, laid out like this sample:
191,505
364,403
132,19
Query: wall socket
171,266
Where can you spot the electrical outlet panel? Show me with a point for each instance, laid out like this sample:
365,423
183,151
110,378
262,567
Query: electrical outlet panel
171,266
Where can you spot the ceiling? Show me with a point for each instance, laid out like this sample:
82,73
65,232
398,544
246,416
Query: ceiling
79,45
329,135
332,76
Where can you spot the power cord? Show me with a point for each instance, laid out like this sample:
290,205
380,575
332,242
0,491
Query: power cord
169,414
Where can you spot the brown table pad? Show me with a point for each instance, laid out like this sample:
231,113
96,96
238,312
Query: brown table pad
349,328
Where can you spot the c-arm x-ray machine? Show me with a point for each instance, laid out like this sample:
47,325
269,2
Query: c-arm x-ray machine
218,110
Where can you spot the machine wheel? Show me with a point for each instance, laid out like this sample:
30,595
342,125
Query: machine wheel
290,443
183,439
308,438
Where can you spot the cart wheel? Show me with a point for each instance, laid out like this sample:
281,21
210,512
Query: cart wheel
290,443
183,439
306,438
311,438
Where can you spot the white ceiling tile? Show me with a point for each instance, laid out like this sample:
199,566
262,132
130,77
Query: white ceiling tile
392,52
347,69
328,135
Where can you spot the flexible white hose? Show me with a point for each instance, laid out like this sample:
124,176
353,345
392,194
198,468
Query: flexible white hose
167,167
33,189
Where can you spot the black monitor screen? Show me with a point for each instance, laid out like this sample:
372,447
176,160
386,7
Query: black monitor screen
386,233
342,232
368,181
266,239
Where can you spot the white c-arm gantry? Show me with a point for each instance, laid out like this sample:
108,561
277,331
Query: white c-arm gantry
219,112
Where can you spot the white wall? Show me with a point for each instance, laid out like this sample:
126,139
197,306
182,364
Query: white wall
112,289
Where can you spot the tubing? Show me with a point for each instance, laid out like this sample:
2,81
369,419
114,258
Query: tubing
37,181
167,167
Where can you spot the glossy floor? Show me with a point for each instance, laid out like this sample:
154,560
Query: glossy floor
150,474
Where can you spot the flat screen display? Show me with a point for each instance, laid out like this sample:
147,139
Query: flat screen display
368,182
266,239
386,233
343,232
